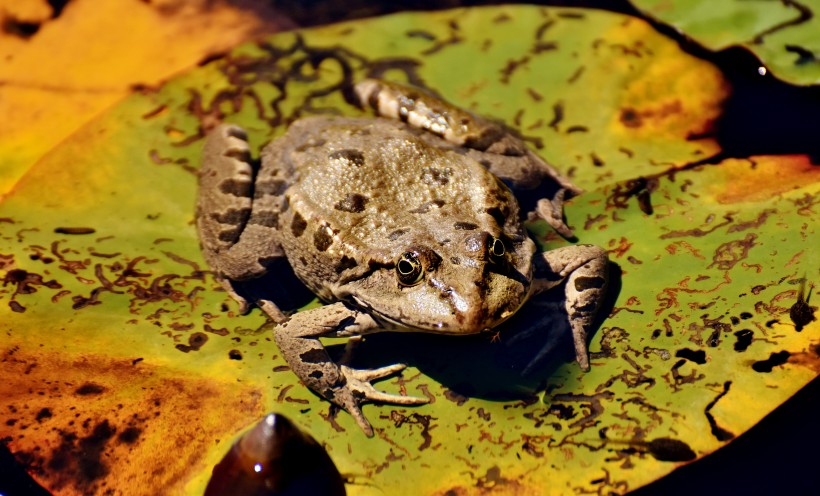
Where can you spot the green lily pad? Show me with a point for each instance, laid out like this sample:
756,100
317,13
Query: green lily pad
782,35
127,366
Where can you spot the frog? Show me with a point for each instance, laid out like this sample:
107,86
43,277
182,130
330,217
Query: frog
402,221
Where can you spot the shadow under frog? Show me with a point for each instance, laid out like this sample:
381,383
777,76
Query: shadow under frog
513,362
403,223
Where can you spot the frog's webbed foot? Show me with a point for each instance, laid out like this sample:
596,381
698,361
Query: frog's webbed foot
346,387
585,269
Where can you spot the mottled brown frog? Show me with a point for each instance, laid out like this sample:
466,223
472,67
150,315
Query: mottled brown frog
403,222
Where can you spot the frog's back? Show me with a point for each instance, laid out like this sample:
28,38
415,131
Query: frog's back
360,188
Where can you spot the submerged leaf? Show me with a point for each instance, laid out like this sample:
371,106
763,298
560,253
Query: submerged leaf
783,35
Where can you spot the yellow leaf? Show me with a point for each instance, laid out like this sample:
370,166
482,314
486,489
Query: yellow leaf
62,68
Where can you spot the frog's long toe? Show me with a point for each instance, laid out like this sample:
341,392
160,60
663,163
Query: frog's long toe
552,211
359,384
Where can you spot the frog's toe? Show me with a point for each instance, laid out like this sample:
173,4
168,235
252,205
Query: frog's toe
358,390
359,382
350,403
552,211
372,374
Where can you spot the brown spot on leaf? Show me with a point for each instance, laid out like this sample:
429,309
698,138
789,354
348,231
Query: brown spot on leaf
457,398
75,230
129,435
89,389
195,342
414,419
744,339
83,456
634,118
801,313
670,450
775,359
630,117
43,414
696,356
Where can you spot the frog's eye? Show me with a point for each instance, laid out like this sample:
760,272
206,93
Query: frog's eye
409,269
496,249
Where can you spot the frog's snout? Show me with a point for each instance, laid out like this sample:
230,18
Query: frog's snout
477,311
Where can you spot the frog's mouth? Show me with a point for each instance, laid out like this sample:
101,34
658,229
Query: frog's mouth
457,323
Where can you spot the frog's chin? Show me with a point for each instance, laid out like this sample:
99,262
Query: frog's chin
438,326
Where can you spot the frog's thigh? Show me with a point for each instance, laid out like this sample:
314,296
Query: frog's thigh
236,239
585,269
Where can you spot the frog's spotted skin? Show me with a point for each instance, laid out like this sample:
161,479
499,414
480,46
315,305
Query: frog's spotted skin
400,226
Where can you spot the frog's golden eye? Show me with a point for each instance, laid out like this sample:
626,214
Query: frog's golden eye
496,249
409,269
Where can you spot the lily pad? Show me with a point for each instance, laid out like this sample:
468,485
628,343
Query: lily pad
783,35
127,366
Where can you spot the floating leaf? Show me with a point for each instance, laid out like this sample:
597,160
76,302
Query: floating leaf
783,35
98,61
117,343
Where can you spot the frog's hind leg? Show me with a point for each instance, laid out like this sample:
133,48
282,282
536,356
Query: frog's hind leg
586,272
231,232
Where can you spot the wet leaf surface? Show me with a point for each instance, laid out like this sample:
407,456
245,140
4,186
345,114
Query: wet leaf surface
782,35
120,345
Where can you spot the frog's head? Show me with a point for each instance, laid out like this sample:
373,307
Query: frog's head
468,284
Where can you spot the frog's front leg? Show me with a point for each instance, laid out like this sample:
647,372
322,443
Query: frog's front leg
585,269
307,357
491,143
